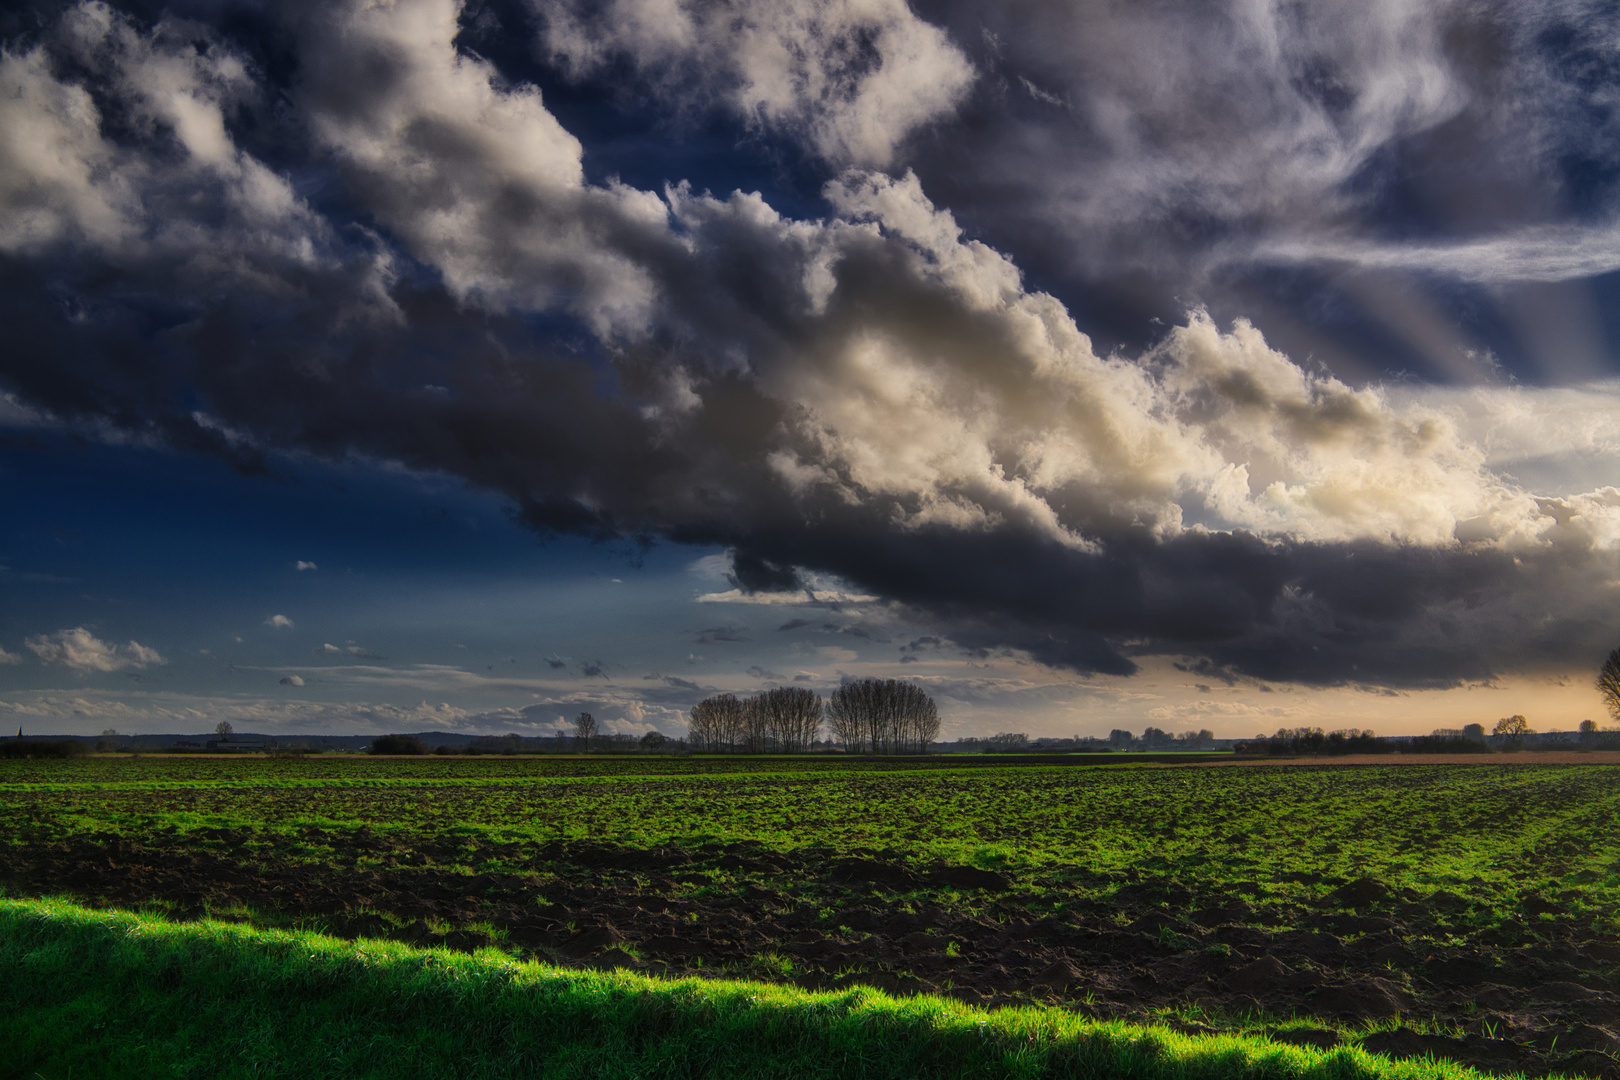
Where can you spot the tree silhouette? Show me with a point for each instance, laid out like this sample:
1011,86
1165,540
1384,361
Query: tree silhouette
397,744
1608,683
883,716
584,731
1512,729
716,723
790,717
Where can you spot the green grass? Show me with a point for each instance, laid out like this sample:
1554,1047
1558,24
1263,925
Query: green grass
1492,831
88,994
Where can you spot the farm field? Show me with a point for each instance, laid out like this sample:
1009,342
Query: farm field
1463,911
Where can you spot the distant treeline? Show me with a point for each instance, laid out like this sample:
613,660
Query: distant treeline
1313,741
41,748
1510,734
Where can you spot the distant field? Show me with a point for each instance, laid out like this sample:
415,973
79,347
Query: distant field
1475,905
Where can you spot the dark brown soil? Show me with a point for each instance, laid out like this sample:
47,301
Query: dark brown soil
1535,995
1527,757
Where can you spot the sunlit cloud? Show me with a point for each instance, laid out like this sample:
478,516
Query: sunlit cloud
81,651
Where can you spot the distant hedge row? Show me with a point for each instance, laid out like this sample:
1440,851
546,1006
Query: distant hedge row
41,748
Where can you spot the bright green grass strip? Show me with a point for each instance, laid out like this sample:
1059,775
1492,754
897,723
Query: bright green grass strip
89,994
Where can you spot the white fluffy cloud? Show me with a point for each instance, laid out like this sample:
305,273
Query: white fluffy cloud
188,194
851,78
475,177
9,657
83,652
1024,423
291,680
59,179
279,622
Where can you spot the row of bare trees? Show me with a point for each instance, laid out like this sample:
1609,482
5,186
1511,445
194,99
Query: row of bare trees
784,721
882,716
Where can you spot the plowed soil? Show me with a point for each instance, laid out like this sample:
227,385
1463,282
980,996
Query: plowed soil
1534,994
1539,757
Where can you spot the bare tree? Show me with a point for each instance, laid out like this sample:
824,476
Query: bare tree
789,717
846,723
717,723
1608,683
585,730
754,736
921,721
223,729
883,716
703,725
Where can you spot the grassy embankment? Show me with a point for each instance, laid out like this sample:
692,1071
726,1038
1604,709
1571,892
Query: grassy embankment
92,994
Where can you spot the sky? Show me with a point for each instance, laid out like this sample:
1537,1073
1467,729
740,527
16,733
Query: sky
403,365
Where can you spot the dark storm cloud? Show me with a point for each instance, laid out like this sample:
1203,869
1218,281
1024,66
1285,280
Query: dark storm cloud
753,574
1143,148
1315,613
1363,183
1209,669
872,394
